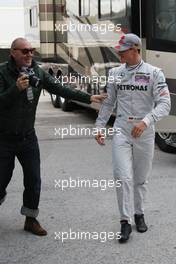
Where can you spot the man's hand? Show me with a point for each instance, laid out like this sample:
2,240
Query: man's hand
22,82
138,129
100,138
98,98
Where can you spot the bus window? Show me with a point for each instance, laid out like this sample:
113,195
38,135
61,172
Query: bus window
72,7
118,8
84,7
111,8
78,7
105,8
165,20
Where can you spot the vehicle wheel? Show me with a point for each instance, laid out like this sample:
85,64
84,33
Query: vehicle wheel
65,104
161,140
55,100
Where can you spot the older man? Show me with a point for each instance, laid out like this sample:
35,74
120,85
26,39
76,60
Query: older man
19,95
142,98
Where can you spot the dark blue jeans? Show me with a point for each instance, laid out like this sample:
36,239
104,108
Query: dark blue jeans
25,148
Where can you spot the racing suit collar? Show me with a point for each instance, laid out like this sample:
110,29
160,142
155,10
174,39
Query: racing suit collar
134,67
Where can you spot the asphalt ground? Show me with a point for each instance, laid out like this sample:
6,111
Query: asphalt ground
71,212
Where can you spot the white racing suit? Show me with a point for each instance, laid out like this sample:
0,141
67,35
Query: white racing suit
140,94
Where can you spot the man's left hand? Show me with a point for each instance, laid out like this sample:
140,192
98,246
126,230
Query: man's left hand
98,98
138,129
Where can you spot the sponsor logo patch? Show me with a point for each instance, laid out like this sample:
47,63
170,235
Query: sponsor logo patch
128,87
141,78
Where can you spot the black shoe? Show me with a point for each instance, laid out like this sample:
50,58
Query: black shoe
125,231
140,223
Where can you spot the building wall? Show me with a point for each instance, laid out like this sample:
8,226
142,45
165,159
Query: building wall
15,22
11,21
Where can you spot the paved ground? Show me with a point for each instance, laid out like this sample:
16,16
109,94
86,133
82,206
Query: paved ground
86,209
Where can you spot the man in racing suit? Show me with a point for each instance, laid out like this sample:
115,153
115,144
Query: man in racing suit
142,97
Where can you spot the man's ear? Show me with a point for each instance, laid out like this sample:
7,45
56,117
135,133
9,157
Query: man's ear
12,52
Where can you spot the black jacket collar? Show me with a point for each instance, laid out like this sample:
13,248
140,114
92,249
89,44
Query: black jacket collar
11,64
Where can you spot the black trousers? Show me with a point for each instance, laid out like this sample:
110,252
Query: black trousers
25,148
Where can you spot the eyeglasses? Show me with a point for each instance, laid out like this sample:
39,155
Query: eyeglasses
26,51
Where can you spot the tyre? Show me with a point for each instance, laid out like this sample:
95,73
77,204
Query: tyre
65,104
162,140
55,100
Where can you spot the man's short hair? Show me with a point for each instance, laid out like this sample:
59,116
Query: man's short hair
15,42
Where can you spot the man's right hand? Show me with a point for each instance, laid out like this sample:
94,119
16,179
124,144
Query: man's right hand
100,138
22,82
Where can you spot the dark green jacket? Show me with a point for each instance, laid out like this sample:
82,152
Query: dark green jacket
17,114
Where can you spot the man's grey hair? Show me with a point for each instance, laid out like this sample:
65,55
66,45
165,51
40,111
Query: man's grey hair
16,41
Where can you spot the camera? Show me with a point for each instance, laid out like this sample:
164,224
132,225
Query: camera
33,79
